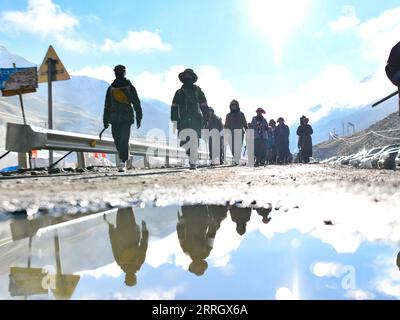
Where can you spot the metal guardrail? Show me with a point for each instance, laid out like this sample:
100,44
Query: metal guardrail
25,138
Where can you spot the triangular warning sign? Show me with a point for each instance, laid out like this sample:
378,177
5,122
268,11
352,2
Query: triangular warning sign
59,71
65,286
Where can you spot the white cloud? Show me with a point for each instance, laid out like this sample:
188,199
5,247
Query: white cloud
46,19
318,34
379,35
360,294
388,279
137,41
105,73
284,293
346,21
151,294
111,270
327,269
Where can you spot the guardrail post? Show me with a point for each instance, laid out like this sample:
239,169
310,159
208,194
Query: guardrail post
22,160
146,161
81,159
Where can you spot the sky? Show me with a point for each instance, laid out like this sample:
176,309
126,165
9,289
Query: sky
329,54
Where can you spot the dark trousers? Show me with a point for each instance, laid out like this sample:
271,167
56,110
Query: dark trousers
221,150
192,153
121,133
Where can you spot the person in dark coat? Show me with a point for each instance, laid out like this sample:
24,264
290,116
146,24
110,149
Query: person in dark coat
215,123
240,216
260,127
235,122
128,243
271,144
120,98
282,133
196,230
189,110
304,131
393,65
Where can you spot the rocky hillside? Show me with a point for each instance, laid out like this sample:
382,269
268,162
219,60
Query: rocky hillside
383,132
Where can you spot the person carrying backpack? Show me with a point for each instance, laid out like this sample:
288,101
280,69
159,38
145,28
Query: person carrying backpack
189,110
120,97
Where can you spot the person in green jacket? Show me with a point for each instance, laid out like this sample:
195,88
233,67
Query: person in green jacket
120,97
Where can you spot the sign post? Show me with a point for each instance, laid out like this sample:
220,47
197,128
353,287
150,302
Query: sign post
51,70
17,81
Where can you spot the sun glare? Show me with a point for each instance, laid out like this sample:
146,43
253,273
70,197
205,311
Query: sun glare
277,19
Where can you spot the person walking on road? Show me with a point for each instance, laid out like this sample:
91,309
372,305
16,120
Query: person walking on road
235,122
120,97
304,131
260,127
215,123
189,110
282,133
271,145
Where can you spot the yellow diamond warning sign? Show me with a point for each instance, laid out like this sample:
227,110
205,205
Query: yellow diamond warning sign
58,71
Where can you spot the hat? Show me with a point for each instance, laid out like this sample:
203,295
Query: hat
119,67
260,110
188,73
272,121
234,102
280,119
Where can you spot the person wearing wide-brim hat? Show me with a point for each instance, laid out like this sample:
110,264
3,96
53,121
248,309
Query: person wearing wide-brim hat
304,131
260,127
282,133
188,76
189,110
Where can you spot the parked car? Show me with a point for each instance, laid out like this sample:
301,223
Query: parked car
375,159
388,159
355,161
365,162
397,161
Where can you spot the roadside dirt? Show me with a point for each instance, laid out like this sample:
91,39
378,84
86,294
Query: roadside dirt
281,186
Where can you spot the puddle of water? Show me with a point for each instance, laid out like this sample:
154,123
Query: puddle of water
198,252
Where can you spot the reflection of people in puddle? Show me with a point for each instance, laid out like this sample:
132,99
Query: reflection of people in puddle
240,216
264,213
129,244
196,228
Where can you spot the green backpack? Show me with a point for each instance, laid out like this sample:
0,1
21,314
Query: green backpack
189,102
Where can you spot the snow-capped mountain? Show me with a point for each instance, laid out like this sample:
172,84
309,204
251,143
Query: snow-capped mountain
7,59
